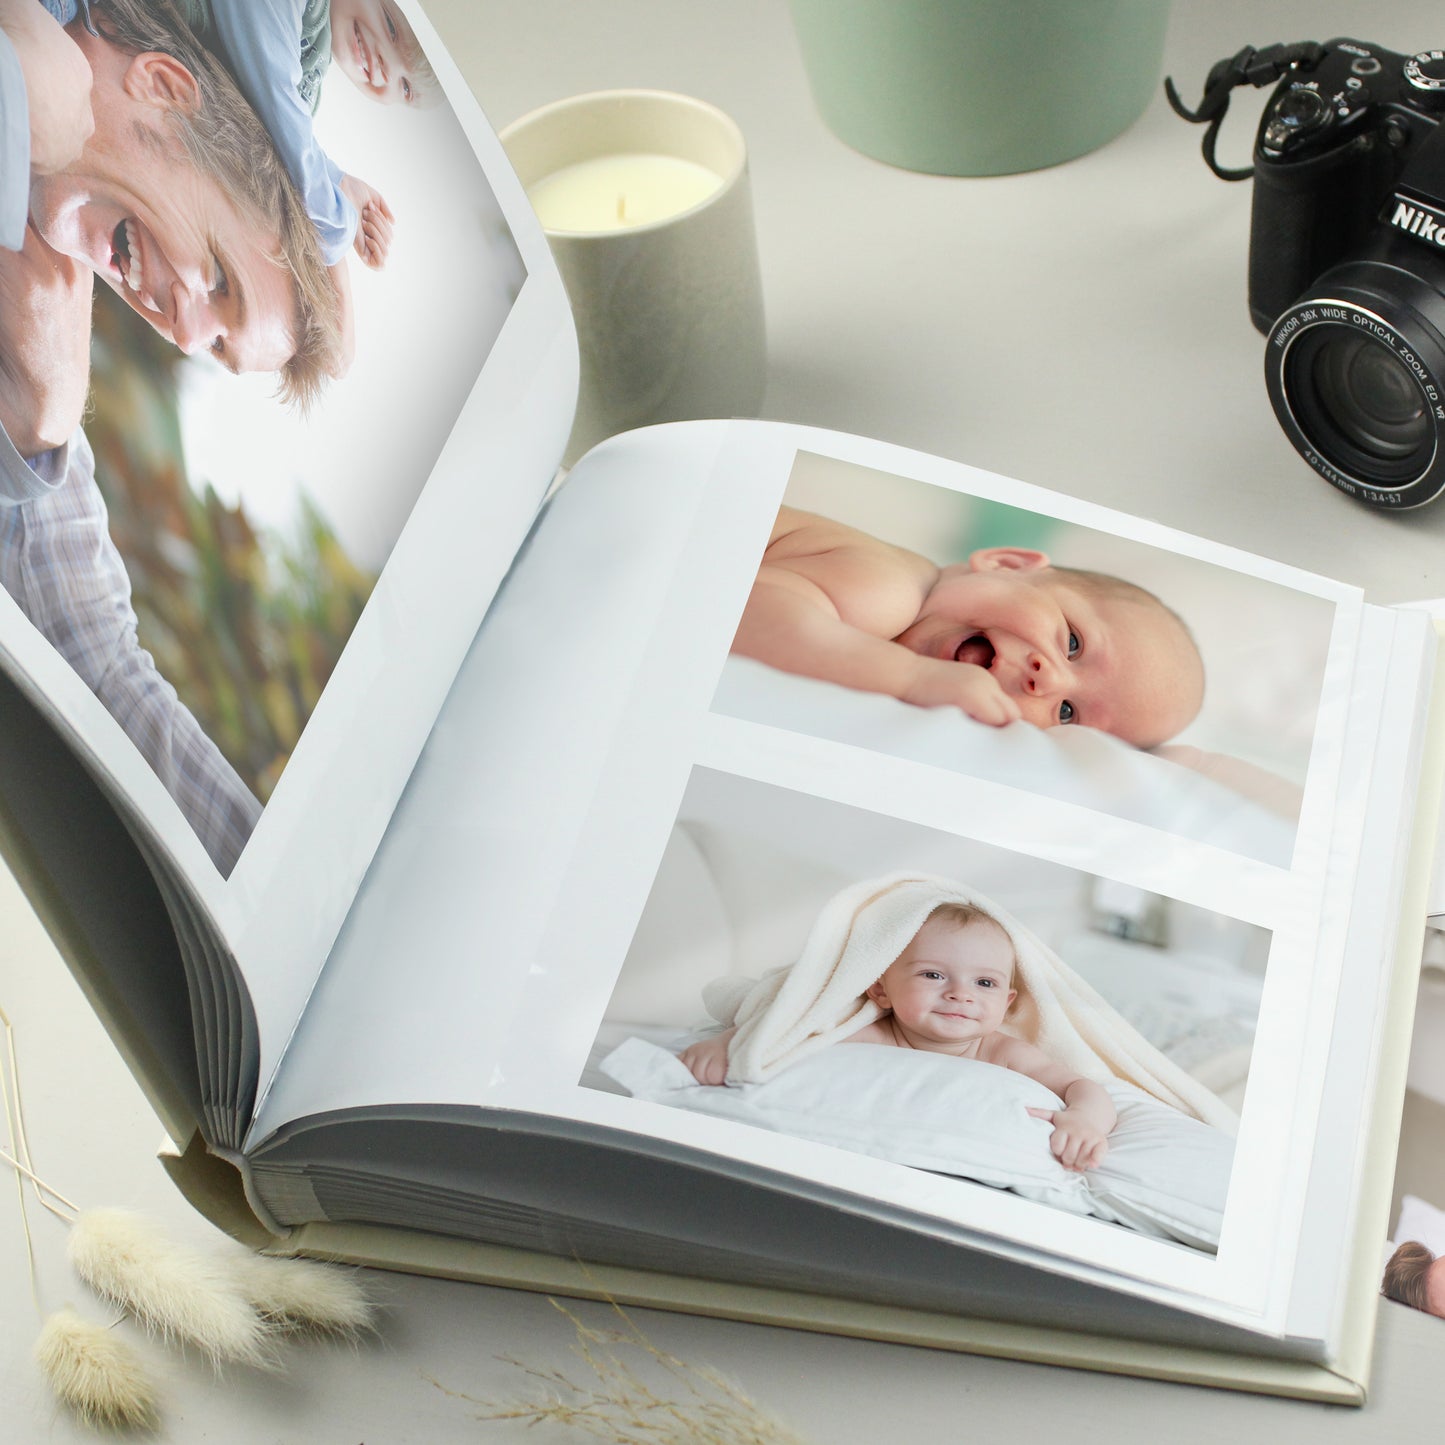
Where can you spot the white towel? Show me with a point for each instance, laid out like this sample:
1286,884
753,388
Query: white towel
793,1012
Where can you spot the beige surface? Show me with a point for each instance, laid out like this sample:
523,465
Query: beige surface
1084,328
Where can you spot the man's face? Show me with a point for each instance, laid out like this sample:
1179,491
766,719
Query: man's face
161,234
369,42
949,989
1064,651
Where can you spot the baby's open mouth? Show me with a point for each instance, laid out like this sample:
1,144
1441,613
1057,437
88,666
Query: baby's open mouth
976,649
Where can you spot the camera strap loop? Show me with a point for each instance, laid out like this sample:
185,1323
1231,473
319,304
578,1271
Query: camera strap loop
1249,67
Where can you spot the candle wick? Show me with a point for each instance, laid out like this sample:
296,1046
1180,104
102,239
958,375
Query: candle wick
621,207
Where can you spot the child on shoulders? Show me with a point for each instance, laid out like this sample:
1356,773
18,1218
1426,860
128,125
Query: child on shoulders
280,51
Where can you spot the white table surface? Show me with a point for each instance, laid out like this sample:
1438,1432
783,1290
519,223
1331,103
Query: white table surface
1084,328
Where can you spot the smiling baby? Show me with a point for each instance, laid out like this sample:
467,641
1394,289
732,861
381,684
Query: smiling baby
950,992
1002,636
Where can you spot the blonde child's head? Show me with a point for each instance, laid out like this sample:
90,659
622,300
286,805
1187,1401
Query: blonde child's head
954,982
374,46
1069,646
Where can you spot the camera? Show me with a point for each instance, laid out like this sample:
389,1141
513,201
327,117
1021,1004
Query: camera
1347,256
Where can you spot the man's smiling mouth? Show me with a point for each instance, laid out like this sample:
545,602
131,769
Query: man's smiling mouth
125,257
976,649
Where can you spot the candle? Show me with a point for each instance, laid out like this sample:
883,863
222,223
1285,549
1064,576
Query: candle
644,198
612,193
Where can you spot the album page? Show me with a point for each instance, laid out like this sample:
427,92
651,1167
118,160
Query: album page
624,826
247,581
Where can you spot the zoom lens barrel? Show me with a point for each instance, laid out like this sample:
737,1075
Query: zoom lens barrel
1356,374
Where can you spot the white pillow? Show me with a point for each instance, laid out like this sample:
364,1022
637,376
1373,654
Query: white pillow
1165,1174
1421,1222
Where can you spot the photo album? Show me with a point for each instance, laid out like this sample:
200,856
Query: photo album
755,871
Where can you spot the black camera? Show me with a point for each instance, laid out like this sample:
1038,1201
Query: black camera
1347,256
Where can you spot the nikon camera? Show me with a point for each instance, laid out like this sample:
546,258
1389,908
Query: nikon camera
1347,261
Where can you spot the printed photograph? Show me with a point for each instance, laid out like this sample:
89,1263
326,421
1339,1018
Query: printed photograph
840,976
1009,645
1413,1272
260,274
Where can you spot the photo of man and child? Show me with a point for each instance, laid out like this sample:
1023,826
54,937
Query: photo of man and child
207,460
813,969
894,614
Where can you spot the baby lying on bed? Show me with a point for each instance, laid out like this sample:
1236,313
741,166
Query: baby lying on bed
1002,636
949,992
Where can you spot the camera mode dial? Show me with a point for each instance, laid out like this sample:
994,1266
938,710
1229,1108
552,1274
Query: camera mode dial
1299,112
1425,74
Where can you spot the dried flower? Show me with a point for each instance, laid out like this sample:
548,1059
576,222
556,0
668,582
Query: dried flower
617,1404
301,1295
96,1373
179,1293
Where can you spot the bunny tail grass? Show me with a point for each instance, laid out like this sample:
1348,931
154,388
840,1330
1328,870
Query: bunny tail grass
179,1293
301,1295
95,1373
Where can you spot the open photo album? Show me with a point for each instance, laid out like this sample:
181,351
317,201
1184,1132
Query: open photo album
759,871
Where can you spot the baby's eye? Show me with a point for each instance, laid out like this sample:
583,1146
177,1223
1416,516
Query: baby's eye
220,282
985,983
1074,644
405,88
932,974
1066,713
390,25
218,348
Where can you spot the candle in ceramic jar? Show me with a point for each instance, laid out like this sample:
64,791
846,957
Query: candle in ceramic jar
643,196
616,192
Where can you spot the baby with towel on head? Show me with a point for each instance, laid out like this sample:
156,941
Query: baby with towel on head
917,962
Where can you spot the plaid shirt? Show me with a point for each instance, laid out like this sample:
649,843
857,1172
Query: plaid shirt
59,564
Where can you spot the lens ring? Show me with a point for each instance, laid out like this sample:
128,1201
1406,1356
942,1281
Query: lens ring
1359,400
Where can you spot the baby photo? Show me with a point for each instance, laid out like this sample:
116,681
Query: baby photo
854,980
253,291
1009,645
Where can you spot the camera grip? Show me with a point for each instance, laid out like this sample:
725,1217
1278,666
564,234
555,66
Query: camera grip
1305,218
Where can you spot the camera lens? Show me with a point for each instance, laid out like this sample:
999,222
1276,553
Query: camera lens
1356,375
1368,395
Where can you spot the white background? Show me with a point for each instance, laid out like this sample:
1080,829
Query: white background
424,325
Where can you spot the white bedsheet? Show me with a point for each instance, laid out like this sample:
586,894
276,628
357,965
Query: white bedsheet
1165,1174
1074,765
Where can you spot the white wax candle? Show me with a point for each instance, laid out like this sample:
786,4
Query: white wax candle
613,193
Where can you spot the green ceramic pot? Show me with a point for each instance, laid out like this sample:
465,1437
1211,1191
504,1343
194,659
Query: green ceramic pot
980,87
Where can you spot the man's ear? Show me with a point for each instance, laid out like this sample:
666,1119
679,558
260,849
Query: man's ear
155,78
1007,559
